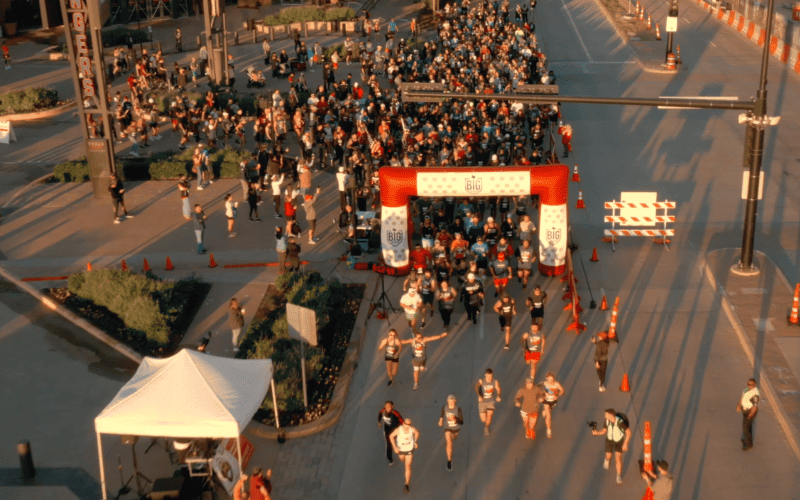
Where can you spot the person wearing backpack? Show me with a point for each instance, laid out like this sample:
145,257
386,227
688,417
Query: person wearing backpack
618,434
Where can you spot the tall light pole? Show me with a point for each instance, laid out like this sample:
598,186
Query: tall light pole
757,120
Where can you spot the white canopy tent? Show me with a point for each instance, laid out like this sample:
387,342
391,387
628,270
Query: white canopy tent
190,395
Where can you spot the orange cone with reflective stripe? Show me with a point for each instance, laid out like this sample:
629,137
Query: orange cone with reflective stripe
575,176
580,200
649,22
146,266
793,320
612,328
88,266
211,261
595,258
625,387
124,265
604,304
648,449
169,266
658,33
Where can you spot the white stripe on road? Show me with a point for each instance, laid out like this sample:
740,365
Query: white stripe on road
580,39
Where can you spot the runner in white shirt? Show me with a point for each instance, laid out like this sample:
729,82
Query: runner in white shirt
405,439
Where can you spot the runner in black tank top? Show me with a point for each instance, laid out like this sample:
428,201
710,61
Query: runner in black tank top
391,347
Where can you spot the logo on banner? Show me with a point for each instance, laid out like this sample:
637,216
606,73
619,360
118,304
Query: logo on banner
394,236
554,235
473,185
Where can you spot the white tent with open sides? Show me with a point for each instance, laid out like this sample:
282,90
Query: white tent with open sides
189,395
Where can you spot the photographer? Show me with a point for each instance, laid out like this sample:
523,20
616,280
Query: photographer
618,434
660,486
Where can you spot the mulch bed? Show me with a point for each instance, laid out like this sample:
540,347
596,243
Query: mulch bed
335,338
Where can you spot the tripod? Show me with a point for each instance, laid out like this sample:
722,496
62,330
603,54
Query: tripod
131,440
382,300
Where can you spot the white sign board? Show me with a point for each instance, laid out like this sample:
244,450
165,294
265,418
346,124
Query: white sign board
672,24
638,213
226,467
746,184
302,323
6,133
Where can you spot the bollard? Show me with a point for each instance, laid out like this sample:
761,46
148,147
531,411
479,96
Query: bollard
255,36
236,38
271,34
25,460
198,42
305,29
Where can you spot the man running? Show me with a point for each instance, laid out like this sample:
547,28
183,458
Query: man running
472,296
391,347
427,289
525,259
528,400
404,441
601,358
536,303
488,390
532,347
451,419
617,435
446,297
506,308
418,352
411,304
501,270
389,419
552,391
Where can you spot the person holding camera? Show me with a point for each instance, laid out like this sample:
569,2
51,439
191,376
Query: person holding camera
618,434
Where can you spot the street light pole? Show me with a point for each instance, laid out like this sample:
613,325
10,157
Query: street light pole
757,121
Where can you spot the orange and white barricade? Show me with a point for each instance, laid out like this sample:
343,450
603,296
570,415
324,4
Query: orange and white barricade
641,210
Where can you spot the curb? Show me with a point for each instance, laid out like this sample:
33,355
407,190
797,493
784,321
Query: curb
342,389
747,347
39,115
73,318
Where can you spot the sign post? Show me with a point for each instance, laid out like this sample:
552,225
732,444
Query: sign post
672,24
302,327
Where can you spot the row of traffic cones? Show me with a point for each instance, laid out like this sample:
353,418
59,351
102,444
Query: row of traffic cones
146,265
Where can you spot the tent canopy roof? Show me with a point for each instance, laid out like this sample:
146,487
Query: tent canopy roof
189,395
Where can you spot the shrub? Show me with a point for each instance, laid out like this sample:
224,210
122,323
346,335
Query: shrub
291,15
72,171
133,297
28,100
336,48
119,36
169,169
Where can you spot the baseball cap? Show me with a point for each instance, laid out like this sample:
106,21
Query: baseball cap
471,276
501,256
490,219
451,397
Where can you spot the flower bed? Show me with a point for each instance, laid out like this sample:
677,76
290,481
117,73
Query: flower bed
28,101
149,315
336,306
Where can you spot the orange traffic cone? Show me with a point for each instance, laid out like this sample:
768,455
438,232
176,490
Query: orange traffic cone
625,387
648,449
575,176
146,266
649,22
658,33
124,265
88,266
169,266
793,320
594,256
211,261
604,304
612,328
641,14
580,200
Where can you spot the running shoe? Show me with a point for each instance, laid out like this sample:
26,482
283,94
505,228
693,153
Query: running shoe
485,431
405,489
602,388
505,347
549,433
449,465
391,463
390,382
619,479
605,464
416,386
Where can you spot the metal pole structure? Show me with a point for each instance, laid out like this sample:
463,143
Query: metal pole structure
209,42
75,78
100,446
225,75
303,373
756,124
669,44
100,79
274,403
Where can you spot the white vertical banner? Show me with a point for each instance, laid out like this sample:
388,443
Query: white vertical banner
553,235
394,235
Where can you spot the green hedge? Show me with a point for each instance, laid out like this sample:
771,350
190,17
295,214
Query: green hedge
144,303
119,36
291,15
72,171
28,100
269,337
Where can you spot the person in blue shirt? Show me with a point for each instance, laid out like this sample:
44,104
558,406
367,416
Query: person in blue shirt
480,250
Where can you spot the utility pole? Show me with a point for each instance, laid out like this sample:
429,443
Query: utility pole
757,121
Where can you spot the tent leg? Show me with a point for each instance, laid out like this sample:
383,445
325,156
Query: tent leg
274,405
239,454
102,468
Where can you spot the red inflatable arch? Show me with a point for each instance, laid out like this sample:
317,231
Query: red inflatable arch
549,182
